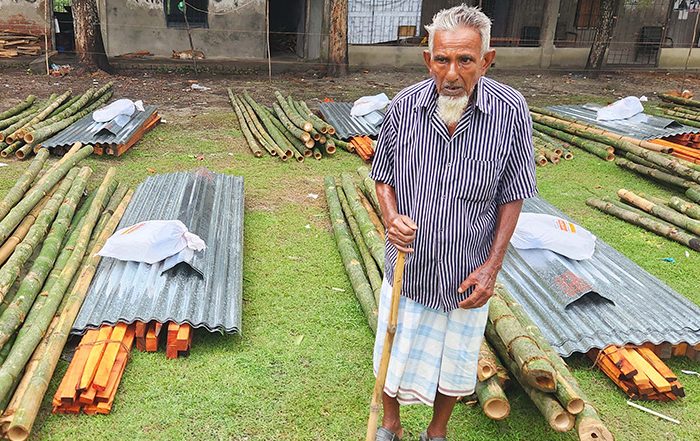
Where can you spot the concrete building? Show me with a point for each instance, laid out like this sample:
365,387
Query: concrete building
23,16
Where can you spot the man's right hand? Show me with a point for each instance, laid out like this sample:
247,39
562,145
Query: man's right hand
401,231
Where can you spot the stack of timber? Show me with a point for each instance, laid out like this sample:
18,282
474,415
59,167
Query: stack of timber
549,150
91,381
179,338
676,219
25,126
639,372
364,146
287,129
14,45
515,347
43,281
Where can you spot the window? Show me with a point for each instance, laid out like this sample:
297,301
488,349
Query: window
587,14
197,13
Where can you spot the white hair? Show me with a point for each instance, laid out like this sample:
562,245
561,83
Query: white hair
460,17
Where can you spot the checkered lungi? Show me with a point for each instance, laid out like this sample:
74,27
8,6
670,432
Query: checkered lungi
432,350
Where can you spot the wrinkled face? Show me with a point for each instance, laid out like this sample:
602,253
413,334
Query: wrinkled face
456,63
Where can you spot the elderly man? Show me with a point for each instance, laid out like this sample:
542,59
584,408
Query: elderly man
453,165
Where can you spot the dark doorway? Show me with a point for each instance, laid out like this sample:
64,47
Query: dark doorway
287,25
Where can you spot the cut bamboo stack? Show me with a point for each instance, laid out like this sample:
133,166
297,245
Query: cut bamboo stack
93,376
287,129
639,372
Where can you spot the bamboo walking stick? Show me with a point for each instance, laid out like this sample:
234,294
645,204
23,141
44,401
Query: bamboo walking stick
386,350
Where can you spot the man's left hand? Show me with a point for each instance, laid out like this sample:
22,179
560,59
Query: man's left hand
483,279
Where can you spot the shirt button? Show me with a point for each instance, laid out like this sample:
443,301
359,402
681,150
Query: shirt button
449,164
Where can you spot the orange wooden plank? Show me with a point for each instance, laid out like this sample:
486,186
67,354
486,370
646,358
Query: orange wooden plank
87,396
118,368
627,371
109,356
184,337
66,391
151,338
679,349
94,358
657,364
655,378
140,332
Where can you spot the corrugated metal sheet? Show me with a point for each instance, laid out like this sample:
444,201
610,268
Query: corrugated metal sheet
623,303
640,126
370,21
211,205
89,132
346,125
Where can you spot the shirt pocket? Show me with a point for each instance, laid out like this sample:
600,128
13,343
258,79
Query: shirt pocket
477,179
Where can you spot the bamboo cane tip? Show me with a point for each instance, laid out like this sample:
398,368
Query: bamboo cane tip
497,409
563,422
575,406
593,430
17,434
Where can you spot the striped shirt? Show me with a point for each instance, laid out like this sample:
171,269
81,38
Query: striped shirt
451,186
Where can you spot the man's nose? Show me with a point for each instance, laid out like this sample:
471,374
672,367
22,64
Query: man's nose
452,74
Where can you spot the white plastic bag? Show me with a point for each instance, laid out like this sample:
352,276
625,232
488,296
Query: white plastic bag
123,106
621,109
151,242
544,231
368,104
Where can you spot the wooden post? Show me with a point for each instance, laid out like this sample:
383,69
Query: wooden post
338,47
88,36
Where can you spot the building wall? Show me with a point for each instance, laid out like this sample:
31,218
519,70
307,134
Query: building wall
236,29
23,16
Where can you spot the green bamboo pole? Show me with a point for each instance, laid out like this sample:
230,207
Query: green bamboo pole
688,208
647,222
679,100
255,127
81,101
370,189
64,106
30,286
660,211
593,147
540,159
298,146
637,160
315,134
350,258
19,108
672,115
109,210
264,129
693,193
39,318
655,173
4,124
369,231
252,143
329,147
533,366
53,105
4,134
654,199
305,137
47,131
22,185
371,270
11,269
317,153
330,130
588,423
636,210
10,149
28,405
292,114
34,195
681,114
556,416
319,124
492,399
270,128
344,145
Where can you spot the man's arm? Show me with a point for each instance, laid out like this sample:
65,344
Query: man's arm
401,230
484,278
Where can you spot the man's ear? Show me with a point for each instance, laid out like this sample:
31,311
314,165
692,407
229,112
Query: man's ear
426,58
488,61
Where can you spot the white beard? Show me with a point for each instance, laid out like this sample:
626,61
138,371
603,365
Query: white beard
450,109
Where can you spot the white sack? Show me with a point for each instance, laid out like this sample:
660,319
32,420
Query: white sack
368,104
543,231
620,109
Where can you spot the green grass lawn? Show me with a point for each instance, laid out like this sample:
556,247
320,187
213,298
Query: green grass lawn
302,368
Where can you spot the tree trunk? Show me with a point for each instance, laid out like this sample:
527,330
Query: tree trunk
88,36
603,33
338,44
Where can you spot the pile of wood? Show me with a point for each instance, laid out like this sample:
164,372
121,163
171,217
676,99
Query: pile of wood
675,218
15,45
549,150
287,129
179,338
49,238
24,126
91,381
639,372
364,146
515,346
